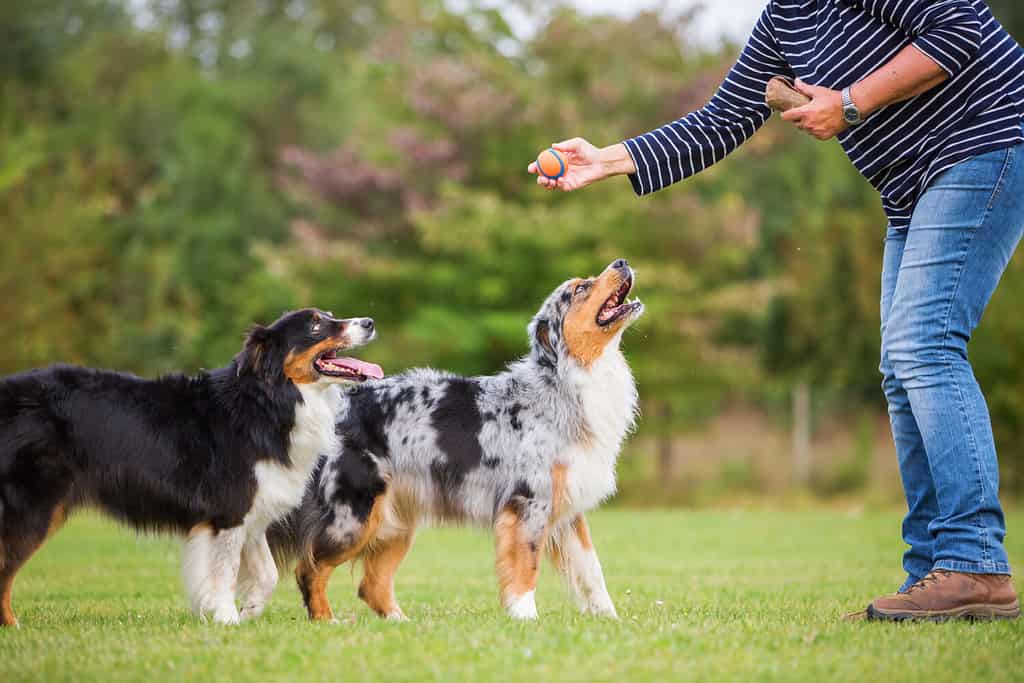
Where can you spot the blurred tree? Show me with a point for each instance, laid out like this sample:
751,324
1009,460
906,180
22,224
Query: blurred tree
173,170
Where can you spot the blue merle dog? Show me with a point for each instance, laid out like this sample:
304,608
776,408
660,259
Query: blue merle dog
526,452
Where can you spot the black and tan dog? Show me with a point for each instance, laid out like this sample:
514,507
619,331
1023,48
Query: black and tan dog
218,456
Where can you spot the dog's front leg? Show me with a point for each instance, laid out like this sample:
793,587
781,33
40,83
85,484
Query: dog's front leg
257,576
210,565
573,555
521,534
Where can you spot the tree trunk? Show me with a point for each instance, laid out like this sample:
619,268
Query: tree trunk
802,433
666,469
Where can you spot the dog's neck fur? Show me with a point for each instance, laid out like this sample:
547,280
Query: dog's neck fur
595,406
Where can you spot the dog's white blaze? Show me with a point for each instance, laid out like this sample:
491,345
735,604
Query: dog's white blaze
522,606
279,488
609,399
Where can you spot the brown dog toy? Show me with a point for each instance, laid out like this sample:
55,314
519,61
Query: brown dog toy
782,96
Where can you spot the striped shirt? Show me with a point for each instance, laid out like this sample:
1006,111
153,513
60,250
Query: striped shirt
835,43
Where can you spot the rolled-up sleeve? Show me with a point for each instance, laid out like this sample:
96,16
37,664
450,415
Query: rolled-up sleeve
687,146
947,31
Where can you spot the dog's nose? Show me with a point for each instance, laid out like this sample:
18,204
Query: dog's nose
366,323
620,263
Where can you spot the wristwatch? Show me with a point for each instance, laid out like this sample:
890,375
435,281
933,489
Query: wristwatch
850,112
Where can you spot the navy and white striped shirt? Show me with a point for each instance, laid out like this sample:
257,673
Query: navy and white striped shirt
835,43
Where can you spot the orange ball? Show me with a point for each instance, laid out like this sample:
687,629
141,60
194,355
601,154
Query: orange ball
552,164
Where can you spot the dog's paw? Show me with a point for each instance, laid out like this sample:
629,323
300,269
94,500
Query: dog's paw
250,612
598,604
522,607
396,615
226,616
603,611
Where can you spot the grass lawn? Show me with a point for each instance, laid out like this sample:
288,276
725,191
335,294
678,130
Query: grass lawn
702,595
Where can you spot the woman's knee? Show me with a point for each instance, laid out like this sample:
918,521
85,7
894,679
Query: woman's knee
922,361
892,387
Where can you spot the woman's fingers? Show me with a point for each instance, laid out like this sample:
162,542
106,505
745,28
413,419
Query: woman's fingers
795,115
576,151
803,88
572,145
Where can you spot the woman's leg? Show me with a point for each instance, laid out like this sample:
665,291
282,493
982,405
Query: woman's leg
918,486
962,236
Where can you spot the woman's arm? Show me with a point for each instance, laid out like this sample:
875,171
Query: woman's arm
691,144
945,36
907,75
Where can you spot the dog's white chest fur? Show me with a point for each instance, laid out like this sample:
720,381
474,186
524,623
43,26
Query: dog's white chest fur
280,488
608,399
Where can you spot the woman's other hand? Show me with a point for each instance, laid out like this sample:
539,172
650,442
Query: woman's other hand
822,117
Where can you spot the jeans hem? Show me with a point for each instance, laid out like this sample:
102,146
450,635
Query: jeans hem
910,581
973,567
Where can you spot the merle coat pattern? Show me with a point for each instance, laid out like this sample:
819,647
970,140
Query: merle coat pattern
525,452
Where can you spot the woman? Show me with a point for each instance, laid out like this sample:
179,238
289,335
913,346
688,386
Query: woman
927,99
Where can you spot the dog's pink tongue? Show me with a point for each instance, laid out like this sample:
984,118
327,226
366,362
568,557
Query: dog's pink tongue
361,367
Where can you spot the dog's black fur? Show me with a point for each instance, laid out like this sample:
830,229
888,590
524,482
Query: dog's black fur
164,455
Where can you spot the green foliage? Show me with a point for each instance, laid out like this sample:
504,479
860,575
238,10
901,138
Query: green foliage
171,172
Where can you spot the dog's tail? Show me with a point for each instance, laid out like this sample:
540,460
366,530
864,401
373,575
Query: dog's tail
284,539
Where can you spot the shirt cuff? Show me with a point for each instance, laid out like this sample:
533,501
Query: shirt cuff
941,53
640,187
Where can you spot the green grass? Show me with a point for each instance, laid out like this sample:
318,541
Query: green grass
702,596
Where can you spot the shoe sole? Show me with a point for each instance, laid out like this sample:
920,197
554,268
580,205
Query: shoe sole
978,612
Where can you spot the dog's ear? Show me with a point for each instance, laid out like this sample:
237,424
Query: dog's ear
255,355
543,343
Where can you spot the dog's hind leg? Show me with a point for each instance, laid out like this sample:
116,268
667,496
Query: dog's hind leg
257,576
380,562
345,519
210,566
343,540
313,580
521,533
20,538
573,555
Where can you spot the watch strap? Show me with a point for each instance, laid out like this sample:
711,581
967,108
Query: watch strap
850,107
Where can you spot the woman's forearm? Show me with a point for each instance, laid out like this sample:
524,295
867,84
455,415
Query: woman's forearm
615,160
908,74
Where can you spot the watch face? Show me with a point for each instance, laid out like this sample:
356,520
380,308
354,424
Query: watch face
851,115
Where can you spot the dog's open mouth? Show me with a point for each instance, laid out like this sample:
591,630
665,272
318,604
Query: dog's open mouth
617,306
331,364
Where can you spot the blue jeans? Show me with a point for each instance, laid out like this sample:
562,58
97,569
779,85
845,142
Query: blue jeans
937,278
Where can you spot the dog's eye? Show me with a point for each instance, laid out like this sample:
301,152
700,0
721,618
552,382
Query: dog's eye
316,327
581,288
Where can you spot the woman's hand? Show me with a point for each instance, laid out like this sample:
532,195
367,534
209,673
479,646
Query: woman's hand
585,164
822,117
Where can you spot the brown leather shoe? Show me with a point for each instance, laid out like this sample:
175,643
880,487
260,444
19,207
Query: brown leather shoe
943,595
